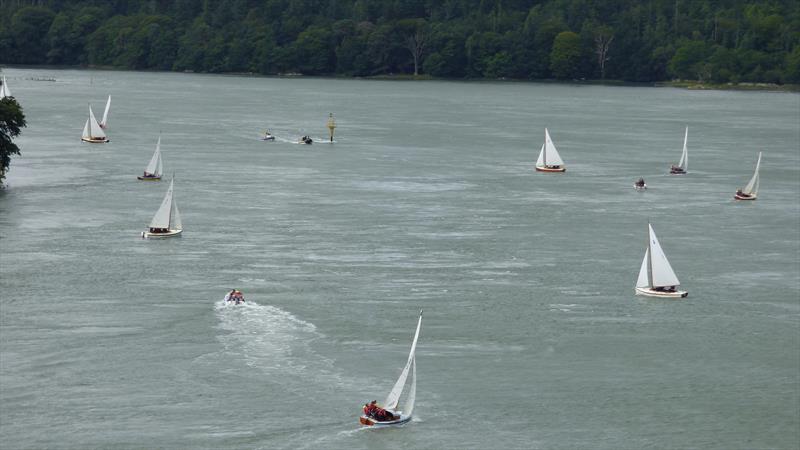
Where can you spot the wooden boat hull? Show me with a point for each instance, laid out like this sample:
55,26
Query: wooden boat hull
744,197
652,293
677,172
95,141
169,234
550,169
370,422
148,178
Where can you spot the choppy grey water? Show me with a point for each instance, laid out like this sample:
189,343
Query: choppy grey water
532,335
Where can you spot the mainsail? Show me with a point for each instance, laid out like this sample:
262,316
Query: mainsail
167,215
752,185
548,156
104,122
684,162
655,270
394,395
95,132
155,166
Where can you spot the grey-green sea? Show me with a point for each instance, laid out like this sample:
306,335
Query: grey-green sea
532,336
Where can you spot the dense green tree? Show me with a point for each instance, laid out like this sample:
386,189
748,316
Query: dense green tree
12,120
566,54
636,40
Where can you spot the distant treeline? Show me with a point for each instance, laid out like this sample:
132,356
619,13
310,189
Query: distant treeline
634,40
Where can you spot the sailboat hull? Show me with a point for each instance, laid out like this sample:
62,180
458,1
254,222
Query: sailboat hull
744,197
550,169
677,171
95,140
649,292
369,421
148,178
169,234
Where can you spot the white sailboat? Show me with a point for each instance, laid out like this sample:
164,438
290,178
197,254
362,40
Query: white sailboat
104,122
154,167
167,221
683,164
396,416
92,131
549,160
750,192
656,277
4,90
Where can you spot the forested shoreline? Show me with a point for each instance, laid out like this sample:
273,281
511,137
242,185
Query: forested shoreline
728,41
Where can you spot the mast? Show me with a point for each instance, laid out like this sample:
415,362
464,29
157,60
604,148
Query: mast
649,257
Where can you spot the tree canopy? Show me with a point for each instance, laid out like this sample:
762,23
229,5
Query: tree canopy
633,40
12,120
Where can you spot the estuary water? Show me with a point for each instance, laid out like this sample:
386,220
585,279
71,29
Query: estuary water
427,199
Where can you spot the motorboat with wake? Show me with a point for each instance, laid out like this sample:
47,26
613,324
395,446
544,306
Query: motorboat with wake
683,164
268,136
389,415
154,168
640,185
549,160
750,191
656,277
167,221
305,140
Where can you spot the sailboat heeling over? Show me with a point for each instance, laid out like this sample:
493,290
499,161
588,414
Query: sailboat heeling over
394,395
752,186
95,132
104,122
684,162
163,217
154,167
656,270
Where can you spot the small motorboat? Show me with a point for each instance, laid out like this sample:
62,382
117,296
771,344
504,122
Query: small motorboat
268,136
640,185
235,297
305,140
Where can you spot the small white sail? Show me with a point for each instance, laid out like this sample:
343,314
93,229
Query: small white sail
684,162
394,395
408,408
662,273
162,217
549,155
95,132
644,280
752,185
4,90
85,133
104,122
175,222
154,166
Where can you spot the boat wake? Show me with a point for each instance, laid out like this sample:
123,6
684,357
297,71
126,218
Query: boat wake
272,340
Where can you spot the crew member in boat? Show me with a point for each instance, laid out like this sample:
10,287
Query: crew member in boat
235,296
664,289
739,193
640,182
159,230
376,412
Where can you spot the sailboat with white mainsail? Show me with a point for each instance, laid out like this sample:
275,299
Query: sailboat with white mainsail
92,132
104,122
750,192
549,160
656,277
167,221
683,164
154,167
389,414
4,90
